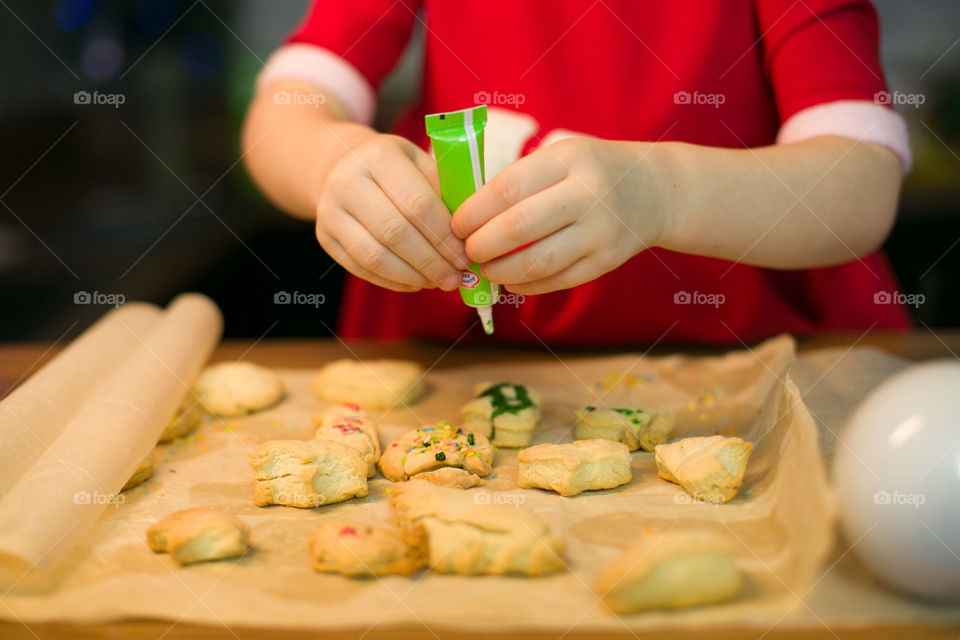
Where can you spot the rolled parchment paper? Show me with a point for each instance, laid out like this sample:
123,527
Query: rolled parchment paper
35,413
53,506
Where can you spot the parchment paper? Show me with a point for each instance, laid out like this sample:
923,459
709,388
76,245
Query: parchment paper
51,508
781,521
35,413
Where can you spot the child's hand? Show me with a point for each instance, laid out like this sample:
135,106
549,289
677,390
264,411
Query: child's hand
587,205
379,214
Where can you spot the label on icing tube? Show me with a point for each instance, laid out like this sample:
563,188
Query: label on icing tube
457,138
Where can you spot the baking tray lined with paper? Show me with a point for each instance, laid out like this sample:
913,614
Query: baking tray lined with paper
780,522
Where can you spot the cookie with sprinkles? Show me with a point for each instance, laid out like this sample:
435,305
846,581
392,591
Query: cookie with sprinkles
434,446
350,425
358,549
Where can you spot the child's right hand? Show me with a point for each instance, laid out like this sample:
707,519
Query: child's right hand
379,214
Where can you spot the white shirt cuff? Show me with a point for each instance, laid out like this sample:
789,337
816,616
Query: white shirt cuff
325,69
504,137
856,119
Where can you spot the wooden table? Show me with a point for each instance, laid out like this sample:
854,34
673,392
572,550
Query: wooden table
17,361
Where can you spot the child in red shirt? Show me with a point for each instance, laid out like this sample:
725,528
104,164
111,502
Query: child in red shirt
699,170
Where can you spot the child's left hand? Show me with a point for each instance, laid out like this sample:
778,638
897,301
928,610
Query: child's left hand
586,205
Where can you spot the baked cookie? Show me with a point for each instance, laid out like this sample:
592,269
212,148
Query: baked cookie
237,388
358,549
634,427
709,468
306,473
671,570
143,472
372,384
452,477
187,418
435,446
350,425
575,467
196,535
468,534
506,413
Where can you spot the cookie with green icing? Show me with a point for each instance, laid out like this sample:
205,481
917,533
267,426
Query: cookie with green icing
507,413
635,427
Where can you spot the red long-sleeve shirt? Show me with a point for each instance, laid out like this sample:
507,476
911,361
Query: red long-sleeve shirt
724,73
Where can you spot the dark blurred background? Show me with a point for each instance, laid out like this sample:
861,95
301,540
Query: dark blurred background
120,171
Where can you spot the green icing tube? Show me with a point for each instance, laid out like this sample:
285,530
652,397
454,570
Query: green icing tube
458,146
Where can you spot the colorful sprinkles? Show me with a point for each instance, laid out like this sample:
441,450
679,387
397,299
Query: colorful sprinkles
440,440
703,406
626,380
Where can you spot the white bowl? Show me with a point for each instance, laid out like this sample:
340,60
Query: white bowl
897,473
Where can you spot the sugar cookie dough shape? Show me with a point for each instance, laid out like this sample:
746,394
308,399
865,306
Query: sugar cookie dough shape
506,413
669,570
371,384
237,388
435,446
452,477
348,424
199,534
575,467
354,548
709,468
188,417
470,535
142,473
633,426
306,473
